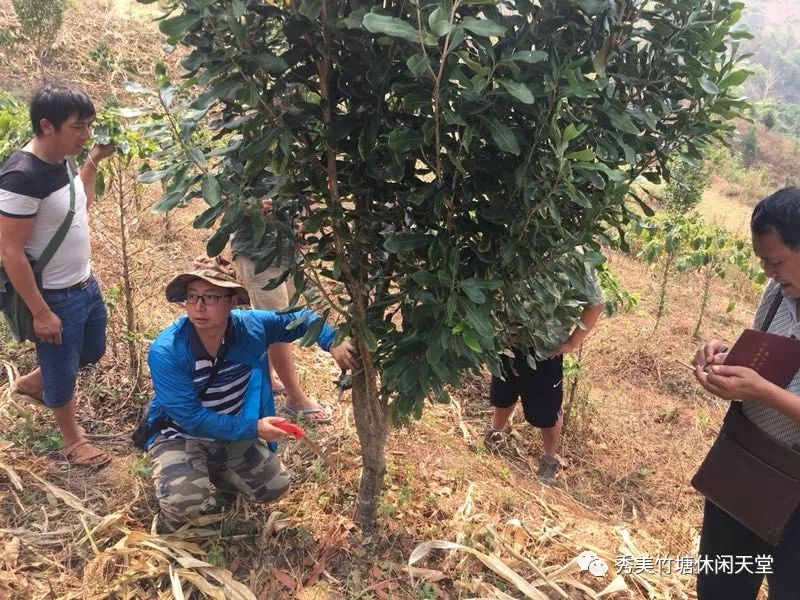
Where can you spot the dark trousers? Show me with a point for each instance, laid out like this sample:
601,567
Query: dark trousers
723,536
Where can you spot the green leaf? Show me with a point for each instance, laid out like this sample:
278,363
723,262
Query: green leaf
708,85
216,244
312,333
152,176
439,22
471,341
196,155
520,91
473,292
368,337
210,189
207,217
99,184
310,9
403,140
419,65
571,132
178,26
502,135
168,202
622,121
734,79
273,64
391,26
586,154
483,27
405,241
429,280
529,56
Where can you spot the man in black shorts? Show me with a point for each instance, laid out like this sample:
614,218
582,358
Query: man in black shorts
541,389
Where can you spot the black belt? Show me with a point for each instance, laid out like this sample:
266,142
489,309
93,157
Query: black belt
81,285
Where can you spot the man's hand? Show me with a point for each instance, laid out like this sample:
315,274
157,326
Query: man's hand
101,151
732,383
47,327
267,431
345,355
710,353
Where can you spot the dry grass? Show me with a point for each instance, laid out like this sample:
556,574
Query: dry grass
730,212
97,42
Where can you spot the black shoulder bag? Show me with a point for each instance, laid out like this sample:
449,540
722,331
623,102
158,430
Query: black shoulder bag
748,474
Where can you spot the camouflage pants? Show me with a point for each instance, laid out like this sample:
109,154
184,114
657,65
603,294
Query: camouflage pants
184,471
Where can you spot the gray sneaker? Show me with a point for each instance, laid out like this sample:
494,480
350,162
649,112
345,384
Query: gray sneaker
548,470
494,439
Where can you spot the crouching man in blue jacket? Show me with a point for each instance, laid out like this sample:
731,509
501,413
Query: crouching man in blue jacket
213,400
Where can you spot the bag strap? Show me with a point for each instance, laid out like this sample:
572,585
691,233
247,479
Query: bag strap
773,310
61,232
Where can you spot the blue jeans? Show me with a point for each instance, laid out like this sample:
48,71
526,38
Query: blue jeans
83,341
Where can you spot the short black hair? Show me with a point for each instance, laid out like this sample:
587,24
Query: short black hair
779,212
57,102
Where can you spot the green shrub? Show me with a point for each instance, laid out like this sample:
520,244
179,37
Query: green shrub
15,125
686,185
39,20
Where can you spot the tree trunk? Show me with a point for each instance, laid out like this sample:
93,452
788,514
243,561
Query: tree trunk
662,297
370,416
573,390
127,284
703,305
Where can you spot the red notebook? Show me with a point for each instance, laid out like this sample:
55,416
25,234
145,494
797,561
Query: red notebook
775,357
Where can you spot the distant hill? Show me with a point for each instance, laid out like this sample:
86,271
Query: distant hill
776,51
771,15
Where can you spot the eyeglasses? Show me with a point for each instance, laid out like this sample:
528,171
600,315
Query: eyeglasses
208,299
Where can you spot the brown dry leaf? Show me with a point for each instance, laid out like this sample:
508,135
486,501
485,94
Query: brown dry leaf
284,578
202,584
175,581
277,522
430,575
66,497
10,554
490,560
12,475
107,522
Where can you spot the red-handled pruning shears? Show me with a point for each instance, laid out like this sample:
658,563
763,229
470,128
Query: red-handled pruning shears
290,428
300,435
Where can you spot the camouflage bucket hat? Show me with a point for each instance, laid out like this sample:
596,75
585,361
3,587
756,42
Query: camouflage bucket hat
216,271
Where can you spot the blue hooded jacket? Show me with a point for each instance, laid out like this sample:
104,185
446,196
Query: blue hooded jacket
172,366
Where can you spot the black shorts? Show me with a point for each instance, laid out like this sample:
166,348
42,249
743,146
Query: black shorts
541,389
